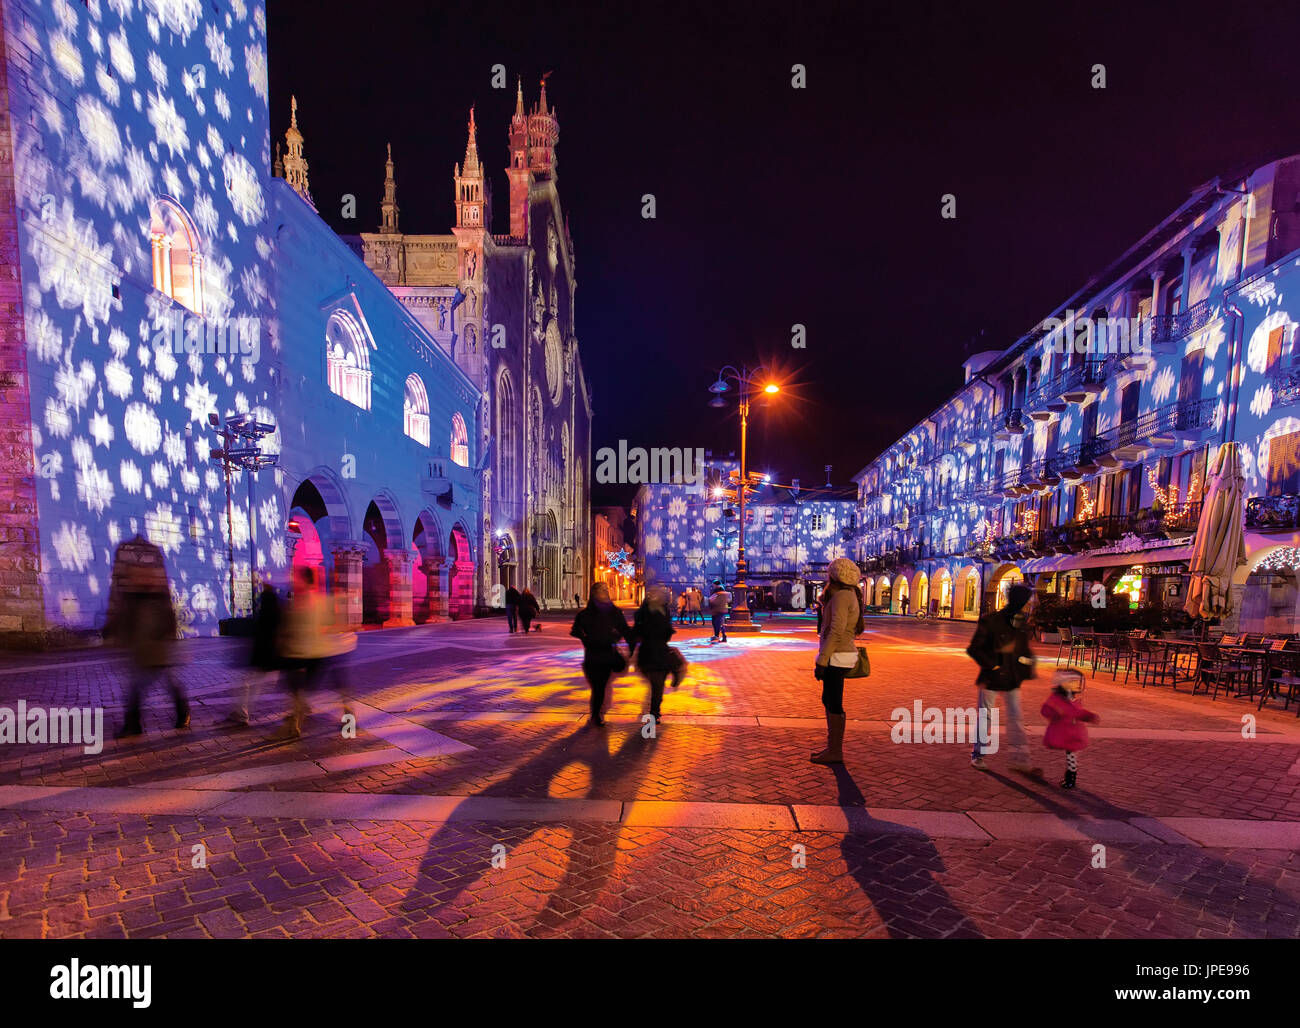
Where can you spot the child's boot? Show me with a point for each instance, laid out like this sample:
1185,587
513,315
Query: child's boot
1068,781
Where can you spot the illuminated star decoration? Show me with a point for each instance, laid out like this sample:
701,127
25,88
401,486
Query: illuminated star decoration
618,561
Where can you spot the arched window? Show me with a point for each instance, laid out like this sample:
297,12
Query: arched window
459,441
348,359
177,261
415,410
505,440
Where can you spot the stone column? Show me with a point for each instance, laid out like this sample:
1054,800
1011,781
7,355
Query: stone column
435,594
399,588
1187,278
462,588
348,557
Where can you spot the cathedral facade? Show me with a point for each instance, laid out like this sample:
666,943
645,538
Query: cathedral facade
502,307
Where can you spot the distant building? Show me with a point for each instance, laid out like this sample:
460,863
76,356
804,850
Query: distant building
607,525
689,534
1081,452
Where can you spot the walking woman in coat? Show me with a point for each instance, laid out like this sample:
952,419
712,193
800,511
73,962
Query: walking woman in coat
841,624
142,621
652,627
599,626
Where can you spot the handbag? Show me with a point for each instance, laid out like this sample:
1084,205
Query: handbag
862,669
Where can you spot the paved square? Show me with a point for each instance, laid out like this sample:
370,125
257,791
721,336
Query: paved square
473,801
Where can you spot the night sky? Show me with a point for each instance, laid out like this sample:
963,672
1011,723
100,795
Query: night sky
816,206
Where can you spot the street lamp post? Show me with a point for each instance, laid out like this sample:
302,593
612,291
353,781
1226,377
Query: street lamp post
744,379
240,446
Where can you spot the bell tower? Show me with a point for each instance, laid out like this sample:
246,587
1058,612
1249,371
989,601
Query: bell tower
471,275
295,165
518,173
388,208
543,134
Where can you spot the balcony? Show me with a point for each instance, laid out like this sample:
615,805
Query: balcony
1009,423
1285,382
1273,513
1169,329
1182,422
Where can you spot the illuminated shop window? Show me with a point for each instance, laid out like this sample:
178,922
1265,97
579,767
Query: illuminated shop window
177,260
415,411
347,359
459,441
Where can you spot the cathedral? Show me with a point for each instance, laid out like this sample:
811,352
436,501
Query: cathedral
502,307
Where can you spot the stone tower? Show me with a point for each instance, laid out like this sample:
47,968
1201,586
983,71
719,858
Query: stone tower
470,229
518,173
388,220
295,165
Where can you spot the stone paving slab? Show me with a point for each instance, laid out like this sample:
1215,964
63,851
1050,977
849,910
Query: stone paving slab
1226,832
945,824
653,814
1035,827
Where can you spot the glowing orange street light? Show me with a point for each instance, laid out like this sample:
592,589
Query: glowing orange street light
771,387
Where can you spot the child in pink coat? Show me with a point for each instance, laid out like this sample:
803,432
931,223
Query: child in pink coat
1065,729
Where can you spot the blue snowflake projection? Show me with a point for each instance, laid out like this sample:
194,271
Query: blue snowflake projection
141,162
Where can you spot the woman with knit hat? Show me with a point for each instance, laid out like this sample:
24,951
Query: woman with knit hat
841,624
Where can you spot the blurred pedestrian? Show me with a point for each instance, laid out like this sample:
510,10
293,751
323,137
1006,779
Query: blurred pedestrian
308,641
1000,647
599,626
512,609
142,621
840,625
681,606
529,608
1066,729
264,660
719,605
692,605
651,629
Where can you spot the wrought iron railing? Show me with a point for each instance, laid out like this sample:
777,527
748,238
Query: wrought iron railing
1273,513
1169,328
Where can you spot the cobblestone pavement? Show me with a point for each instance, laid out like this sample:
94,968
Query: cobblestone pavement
474,802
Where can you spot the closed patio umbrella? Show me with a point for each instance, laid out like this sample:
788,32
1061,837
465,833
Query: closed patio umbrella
1220,545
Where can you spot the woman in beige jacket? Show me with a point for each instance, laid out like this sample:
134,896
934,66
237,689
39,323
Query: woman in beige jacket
841,625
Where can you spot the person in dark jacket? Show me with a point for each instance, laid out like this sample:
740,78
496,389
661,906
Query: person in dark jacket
512,609
143,622
1000,647
599,626
529,608
652,627
264,660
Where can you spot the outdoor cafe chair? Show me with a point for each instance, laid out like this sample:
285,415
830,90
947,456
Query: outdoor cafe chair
1066,645
1105,654
1150,661
1082,640
1215,668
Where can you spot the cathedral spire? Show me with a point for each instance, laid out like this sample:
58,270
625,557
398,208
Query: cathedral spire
388,208
471,166
295,165
519,97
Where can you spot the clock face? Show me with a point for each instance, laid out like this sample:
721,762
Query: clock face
554,363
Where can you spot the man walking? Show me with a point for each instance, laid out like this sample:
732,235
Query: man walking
1000,647
512,609
719,604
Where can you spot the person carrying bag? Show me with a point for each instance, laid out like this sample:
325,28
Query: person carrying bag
839,657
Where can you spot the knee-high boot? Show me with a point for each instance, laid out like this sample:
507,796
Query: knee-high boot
834,751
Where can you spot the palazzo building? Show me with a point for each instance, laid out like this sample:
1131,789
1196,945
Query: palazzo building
1080,453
